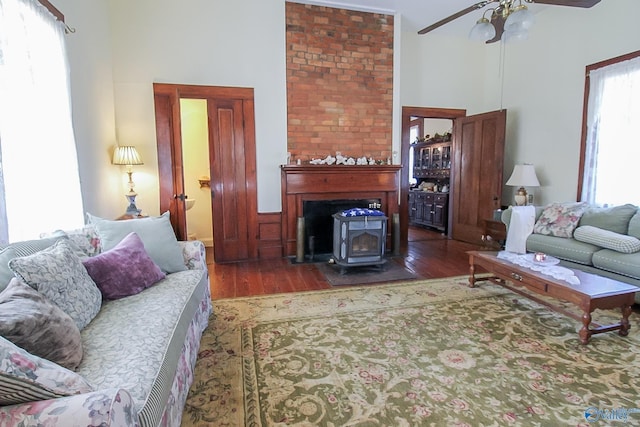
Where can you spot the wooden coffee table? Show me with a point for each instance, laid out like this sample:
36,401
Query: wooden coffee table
593,292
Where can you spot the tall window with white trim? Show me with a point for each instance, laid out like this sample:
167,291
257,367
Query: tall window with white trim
611,146
39,181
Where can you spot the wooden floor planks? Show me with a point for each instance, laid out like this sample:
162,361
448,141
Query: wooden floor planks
430,255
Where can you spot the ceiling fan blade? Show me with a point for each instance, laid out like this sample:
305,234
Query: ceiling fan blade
571,3
457,15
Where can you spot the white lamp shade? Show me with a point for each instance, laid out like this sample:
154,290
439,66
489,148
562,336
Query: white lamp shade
126,155
524,176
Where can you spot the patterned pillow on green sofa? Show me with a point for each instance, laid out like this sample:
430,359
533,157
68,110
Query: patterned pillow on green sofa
607,239
559,219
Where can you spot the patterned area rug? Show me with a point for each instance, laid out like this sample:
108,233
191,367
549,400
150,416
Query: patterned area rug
422,353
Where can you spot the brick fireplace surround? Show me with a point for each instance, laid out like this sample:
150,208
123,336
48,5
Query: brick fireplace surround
302,183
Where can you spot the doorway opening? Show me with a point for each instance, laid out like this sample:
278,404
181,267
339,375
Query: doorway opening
196,169
417,122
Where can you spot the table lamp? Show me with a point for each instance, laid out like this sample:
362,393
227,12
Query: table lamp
523,176
128,156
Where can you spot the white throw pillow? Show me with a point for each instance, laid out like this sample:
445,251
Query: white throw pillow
156,234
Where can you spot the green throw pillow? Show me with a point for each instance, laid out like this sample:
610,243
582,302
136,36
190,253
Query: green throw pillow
156,234
634,225
614,219
6,255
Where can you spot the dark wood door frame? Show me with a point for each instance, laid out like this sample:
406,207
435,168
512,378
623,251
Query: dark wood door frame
169,141
407,114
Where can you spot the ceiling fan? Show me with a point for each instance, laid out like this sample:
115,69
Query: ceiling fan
509,17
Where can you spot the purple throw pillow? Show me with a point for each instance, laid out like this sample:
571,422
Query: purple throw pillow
124,270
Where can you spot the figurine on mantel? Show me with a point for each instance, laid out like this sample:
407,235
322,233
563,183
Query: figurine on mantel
339,159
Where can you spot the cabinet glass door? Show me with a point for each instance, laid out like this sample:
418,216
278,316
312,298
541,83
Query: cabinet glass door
425,156
436,157
446,157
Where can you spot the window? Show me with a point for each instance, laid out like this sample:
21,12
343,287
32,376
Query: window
414,134
39,181
611,136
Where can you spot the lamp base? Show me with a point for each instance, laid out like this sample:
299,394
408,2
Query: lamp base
521,197
132,209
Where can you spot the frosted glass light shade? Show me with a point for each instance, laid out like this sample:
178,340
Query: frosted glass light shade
482,31
520,19
515,35
518,23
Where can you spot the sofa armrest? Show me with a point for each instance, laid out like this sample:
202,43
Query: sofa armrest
193,252
506,217
111,407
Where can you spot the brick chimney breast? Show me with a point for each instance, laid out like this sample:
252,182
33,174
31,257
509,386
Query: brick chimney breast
339,82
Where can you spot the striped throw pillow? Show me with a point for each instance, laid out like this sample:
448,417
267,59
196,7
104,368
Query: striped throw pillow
607,239
28,378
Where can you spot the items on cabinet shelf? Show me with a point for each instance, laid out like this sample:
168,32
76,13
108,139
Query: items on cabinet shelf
431,160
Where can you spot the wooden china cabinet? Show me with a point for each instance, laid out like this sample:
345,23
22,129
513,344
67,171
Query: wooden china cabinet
431,164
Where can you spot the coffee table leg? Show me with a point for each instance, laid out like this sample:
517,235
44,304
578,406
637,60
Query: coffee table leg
585,332
472,272
624,323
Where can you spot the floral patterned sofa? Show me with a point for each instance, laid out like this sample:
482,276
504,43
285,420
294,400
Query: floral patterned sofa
138,351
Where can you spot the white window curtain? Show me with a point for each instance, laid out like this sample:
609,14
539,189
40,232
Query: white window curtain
38,153
613,138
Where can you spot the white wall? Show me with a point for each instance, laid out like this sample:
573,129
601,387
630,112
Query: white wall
89,52
543,84
218,43
439,71
544,88
122,47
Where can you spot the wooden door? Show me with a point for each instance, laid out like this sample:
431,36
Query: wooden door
476,172
228,189
169,145
232,158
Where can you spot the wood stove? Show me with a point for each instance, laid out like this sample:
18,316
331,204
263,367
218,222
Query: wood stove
359,240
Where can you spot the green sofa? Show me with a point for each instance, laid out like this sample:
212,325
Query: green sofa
605,242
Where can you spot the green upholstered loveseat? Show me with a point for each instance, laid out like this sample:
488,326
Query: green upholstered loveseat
603,243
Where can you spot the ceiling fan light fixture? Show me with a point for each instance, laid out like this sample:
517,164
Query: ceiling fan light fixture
520,18
515,35
482,31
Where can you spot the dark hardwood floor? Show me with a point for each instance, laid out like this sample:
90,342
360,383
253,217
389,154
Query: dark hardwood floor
430,255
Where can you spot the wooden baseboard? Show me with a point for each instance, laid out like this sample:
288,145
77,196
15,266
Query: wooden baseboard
269,235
